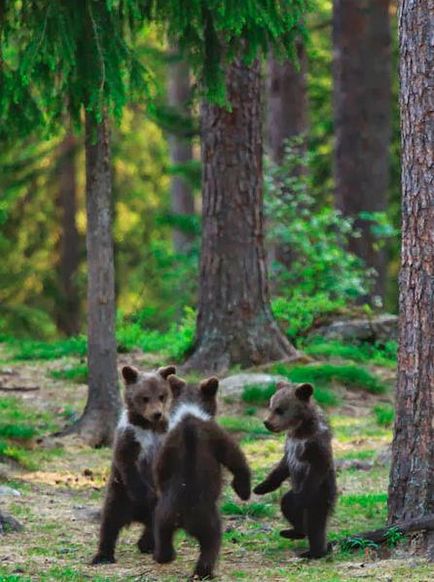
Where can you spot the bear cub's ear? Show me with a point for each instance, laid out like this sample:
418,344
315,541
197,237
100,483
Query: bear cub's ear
130,374
166,371
304,392
176,385
209,387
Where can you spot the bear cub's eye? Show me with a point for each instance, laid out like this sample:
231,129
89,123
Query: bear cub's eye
162,398
145,399
279,410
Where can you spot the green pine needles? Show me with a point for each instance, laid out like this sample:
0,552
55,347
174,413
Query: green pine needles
59,55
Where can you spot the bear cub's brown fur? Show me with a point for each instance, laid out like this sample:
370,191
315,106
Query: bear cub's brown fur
130,491
188,474
307,461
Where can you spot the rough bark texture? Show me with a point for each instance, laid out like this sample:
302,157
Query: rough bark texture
68,307
411,489
362,104
287,107
379,536
97,424
235,324
181,151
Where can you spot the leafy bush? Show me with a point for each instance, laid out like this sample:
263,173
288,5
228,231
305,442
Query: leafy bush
299,313
384,415
314,238
349,375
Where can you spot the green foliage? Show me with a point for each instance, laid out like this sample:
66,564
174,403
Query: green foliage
77,374
212,31
298,314
256,509
324,374
258,394
316,236
249,425
35,350
394,536
378,354
19,425
355,543
384,415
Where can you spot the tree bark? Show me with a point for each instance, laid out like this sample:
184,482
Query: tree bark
235,324
287,107
97,424
411,488
68,308
181,152
379,536
362,112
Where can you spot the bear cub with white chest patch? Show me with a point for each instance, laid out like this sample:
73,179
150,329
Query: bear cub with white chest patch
307,461
130,493
188,474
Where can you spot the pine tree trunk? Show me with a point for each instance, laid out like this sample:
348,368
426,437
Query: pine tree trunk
362,103
97,424
287,107
68,308
235,324
181,152
411,489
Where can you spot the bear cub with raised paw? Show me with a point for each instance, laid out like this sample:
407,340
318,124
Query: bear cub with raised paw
307,461
131,495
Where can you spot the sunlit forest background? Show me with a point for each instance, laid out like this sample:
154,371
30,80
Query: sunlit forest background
42,229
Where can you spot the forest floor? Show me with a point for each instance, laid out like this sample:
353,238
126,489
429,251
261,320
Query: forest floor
61,487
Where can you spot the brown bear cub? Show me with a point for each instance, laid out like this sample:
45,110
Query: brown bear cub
188,474
130,492
307,461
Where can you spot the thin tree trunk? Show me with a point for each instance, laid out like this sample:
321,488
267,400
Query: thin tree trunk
362,104
235,324
181,152
68,308
287,107
411,489
97,424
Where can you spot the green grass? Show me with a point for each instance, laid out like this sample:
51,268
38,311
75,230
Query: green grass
38,350
384,415
349,375
256,509
19,424
249,425
78,374
378,354
261,395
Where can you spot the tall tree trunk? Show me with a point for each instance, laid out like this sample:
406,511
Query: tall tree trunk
411,489
97,424
235,324
362,102
181,152
68,308
287,107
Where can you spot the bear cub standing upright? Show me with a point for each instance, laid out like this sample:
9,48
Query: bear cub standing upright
188,474
130,491
307,461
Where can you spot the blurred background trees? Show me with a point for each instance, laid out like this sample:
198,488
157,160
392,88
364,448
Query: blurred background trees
156,198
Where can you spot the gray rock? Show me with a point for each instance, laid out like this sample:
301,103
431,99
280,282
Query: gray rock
234,385
4,490
8,523
84,513
357,464
380,328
